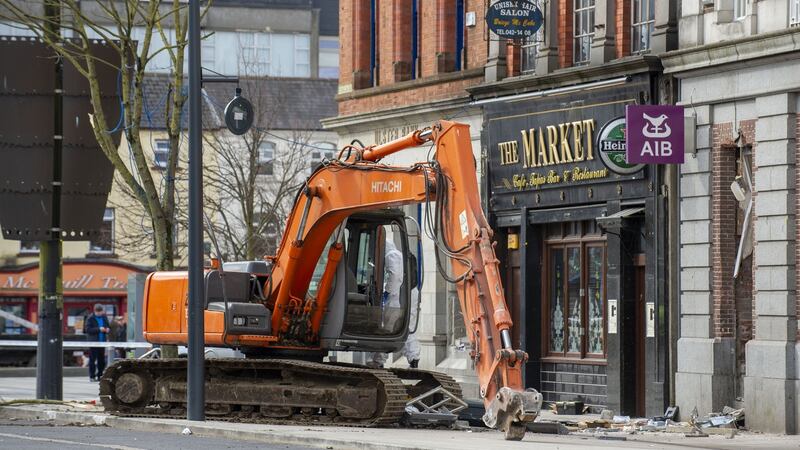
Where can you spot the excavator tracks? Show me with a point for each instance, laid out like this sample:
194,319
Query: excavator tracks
273,391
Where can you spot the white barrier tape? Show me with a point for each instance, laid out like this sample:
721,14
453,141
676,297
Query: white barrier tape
78,344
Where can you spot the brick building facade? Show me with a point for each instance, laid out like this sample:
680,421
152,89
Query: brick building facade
739,260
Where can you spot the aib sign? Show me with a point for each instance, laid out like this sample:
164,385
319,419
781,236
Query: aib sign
655,134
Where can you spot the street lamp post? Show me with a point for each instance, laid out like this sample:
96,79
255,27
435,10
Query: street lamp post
196,343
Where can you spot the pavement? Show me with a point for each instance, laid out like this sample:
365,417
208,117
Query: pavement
39,435
331,437
87,413
74,388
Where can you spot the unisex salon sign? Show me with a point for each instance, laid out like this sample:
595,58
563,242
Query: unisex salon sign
514,19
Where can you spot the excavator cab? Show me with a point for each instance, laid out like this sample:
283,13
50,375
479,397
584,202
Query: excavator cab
370,307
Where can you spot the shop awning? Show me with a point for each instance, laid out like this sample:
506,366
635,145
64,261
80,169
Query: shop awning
615,220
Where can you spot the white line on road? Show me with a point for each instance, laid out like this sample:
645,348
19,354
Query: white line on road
63,441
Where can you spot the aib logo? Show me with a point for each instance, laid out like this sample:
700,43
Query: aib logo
655,134
656,127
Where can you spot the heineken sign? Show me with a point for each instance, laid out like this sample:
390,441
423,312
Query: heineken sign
612,147
514,19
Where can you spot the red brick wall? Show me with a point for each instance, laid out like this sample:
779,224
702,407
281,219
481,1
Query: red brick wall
623,32
346,33
401,26
723,230
477,47
360,42
513,59
446,36
437,36
391,100
565,33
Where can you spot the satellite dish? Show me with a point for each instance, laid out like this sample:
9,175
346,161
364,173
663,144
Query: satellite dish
239,114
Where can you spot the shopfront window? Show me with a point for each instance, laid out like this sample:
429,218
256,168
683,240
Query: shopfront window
576,291
13,307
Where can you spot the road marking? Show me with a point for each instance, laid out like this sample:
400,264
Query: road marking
63,441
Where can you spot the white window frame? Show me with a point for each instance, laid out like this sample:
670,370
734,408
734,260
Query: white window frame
266,158
161,147
739,9
794,13
208,51
644,23
249,61
321,151
302,43
585,10
108,217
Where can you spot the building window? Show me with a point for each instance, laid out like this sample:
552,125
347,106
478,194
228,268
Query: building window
266,158
583,31
322,151
739,7
207,51
29,247
255,54
302,55
373,42
161,153
13,306
459,34
529,52
104,242
643,22
328,57
415,67
794,12
576,294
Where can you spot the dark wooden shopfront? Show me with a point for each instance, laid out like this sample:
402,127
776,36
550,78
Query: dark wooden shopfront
582,246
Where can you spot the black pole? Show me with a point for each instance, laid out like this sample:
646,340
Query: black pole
49,354
196,345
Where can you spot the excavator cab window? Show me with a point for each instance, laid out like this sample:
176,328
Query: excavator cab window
378,278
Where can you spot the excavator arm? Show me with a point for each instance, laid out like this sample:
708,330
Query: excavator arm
357,181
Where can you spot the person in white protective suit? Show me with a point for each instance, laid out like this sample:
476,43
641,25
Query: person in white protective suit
392,282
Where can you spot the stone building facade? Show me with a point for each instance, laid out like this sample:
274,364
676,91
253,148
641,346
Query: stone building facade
736,71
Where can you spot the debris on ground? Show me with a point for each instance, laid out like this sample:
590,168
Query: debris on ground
569,408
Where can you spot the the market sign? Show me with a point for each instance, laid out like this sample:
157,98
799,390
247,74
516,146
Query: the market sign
557,153
514,19
612,145
655,134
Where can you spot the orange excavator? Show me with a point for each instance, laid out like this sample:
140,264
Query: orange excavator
324,291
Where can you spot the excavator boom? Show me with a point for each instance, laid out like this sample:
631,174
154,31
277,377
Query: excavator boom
462,233
272,308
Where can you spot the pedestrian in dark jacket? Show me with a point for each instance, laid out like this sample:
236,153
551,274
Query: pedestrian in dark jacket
97,328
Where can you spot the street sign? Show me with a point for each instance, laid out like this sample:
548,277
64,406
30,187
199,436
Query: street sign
516,19
239,114
655,134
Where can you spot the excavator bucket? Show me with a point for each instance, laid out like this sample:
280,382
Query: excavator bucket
511,411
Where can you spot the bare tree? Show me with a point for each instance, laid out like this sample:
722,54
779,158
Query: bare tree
254,178
130,28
